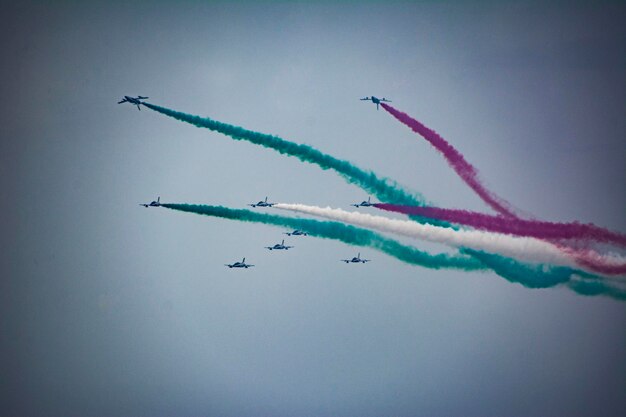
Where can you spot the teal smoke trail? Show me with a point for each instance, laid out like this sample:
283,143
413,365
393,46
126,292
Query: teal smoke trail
383,188
339,231
544,276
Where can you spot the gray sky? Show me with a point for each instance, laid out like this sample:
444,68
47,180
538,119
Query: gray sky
108,308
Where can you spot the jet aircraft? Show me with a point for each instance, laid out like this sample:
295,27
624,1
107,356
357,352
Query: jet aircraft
262,204
241,264
133,100
376,100
156,203
367,203
296,232
355,260
279,246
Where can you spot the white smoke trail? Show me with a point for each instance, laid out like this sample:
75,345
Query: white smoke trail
525,249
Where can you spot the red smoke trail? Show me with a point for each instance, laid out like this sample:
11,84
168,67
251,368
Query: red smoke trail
465,170
514,226
530,228
468,173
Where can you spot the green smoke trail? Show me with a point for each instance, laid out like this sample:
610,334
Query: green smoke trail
383,188
546,276
339,231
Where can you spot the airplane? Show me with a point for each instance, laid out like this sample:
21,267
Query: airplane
279,246
156,203
376,100
364,203
355,260
262,204
132,100
296,232
241,264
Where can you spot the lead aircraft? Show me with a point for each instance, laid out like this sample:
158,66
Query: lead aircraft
133,100
375,100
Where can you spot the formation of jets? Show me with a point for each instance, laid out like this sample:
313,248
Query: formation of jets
376,100
156,203
133,100
278,246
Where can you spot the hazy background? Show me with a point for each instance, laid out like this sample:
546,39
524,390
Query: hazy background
110,309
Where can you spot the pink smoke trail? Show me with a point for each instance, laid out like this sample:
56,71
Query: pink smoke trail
514,226
463,168
531,228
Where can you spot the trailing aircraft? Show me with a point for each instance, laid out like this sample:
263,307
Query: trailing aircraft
156,203
241,264
262,204
355,260
367,203
279,246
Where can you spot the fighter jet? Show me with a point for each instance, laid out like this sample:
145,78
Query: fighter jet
364,203
355,260
296,232
133,100
376,100
262,204
241,264
279,246
156,203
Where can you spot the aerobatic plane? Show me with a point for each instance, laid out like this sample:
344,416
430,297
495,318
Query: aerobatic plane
241,264
376,100
296,232
262,204
367,203
156,203
133,100
355,260
279,246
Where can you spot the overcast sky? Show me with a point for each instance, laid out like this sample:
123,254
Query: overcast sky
108,308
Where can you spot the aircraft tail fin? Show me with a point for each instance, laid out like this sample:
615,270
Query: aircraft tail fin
243,261
159,199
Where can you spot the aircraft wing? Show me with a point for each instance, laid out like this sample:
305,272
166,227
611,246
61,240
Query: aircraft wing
123,101
366,98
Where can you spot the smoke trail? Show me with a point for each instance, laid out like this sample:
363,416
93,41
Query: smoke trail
463,168
544,276
526,249
513,226
338,231
383,188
